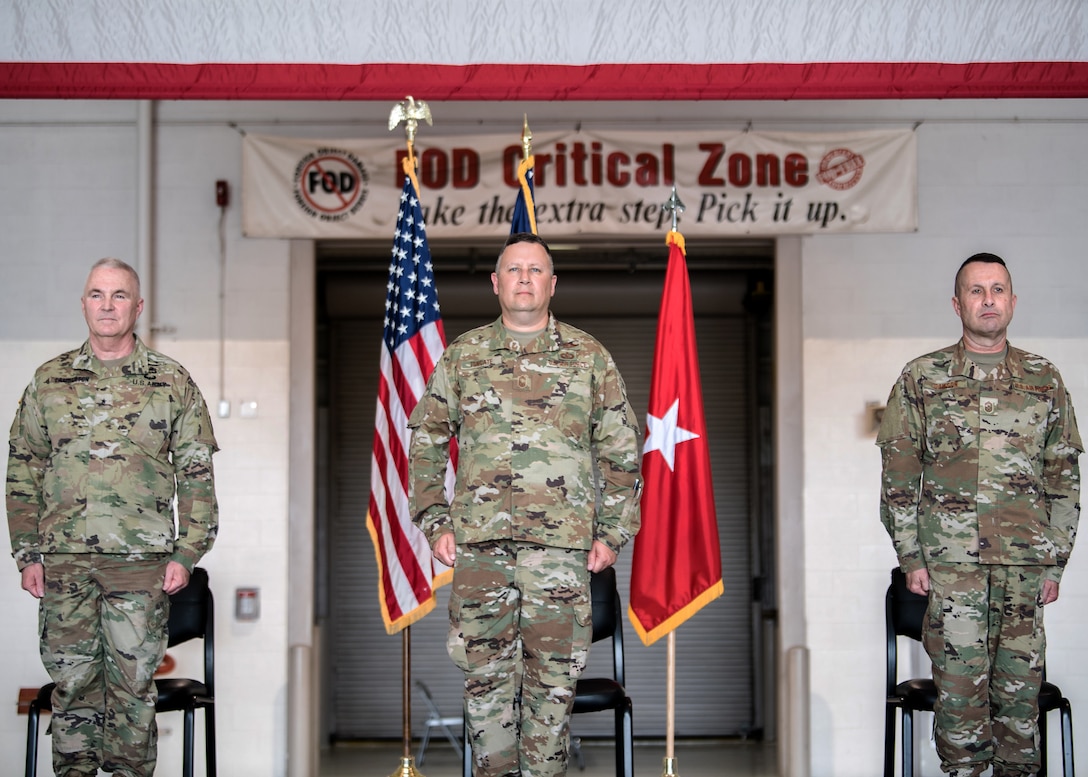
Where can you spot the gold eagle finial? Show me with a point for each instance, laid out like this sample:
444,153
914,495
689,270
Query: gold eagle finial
410,112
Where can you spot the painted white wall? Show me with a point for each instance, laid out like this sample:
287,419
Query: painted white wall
75,202
870,305
986,182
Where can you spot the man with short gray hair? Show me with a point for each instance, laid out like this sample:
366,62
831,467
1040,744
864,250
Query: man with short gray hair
104,440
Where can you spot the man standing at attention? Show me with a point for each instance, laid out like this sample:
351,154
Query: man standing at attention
104,439
533,404
980,495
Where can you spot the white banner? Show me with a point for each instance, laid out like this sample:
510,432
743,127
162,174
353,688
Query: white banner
587,183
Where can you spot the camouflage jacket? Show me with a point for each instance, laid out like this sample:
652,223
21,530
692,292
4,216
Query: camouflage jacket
95,453
529,423
977,468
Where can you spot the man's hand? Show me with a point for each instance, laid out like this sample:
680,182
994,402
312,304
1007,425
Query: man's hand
600,557
34,580
1046,596
445,549
177,577
918,582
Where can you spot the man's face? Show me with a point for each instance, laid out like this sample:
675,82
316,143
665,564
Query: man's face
111,303
524,282
984,301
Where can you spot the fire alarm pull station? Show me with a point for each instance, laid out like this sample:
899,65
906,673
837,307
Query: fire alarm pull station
247,604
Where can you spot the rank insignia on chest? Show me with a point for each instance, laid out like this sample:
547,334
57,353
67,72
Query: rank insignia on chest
989,405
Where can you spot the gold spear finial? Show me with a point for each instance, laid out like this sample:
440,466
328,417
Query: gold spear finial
410,112
677,207
526,138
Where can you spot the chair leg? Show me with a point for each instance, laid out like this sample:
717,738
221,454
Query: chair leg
908,743
889,741
466,756
423,745
574,753
187,755
209,740
33,715
621,762
629,740
452,740
1068,766
1042,744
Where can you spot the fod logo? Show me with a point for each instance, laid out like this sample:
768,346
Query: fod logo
841,169
330,184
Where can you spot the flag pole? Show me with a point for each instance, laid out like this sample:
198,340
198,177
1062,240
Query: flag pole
411,113
524,216
670,707
676,567
670,767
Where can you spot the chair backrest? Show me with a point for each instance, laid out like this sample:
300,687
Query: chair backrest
904,615
432,707
907,610
192,616
607,616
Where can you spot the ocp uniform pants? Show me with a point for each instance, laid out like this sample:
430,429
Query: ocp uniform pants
985,638
520,629
103,623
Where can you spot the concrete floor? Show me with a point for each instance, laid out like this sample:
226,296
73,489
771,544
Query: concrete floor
693,759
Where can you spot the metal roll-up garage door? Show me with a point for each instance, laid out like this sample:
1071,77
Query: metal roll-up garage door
714,672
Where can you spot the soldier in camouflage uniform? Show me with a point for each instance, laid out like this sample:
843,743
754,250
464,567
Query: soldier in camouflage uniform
104,439
980,496
533,404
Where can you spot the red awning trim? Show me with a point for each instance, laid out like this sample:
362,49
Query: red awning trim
643,81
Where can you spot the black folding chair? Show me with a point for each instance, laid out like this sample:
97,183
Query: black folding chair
192,616
904,616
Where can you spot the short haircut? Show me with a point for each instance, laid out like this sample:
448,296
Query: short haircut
984,258
525,237
117,264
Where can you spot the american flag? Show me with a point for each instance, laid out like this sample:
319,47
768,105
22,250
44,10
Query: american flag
524,218
412,342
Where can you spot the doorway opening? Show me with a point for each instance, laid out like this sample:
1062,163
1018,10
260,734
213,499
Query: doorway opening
725,666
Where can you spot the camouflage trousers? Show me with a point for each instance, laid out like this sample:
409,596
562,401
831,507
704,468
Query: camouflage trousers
103,624
984,635
520,629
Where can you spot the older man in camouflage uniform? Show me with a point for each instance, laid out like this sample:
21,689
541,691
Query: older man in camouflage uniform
533,404
980,496
102,437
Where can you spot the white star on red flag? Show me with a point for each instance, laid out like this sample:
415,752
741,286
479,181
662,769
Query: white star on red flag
665,434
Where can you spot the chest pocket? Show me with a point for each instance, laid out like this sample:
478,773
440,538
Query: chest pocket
1020,414
556,391
66,410
481,384
152,428
951,417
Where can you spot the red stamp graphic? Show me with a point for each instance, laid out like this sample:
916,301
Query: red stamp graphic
841,169
330,184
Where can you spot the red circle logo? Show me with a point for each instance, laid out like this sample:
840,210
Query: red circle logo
330,184
841,169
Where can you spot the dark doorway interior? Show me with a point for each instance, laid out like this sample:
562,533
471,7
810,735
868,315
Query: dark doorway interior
613,293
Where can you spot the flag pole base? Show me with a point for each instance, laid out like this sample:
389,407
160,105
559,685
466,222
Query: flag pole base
407,768
670,768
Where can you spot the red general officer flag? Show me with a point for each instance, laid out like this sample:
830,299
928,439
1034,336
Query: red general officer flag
677,567
413,339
